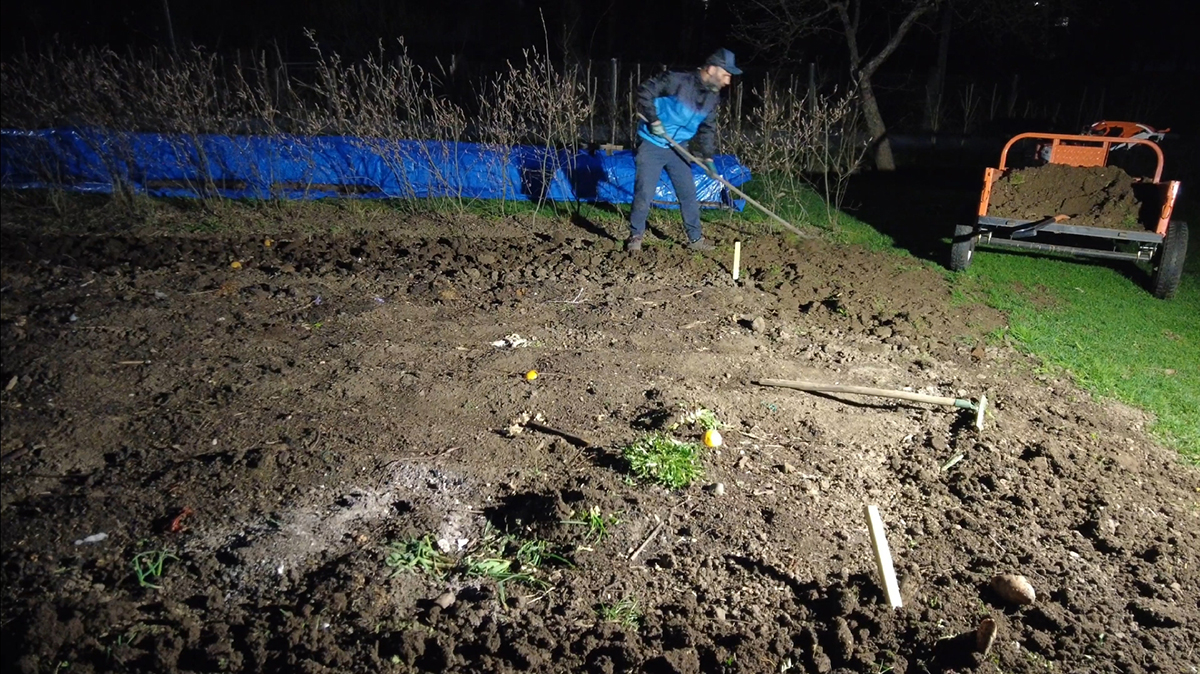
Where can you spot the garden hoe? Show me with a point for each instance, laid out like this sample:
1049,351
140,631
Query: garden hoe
692,158
978,408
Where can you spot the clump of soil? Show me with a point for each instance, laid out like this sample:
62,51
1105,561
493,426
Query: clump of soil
1094,196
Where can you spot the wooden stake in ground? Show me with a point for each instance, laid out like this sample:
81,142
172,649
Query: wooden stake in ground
883,557
737,259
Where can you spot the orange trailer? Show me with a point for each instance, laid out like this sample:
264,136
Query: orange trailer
1162,243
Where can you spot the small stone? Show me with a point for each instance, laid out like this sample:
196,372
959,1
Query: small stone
719,613
446,600
719,489
759,325
1014,588
788,468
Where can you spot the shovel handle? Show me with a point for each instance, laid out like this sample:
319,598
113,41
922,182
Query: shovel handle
1030,229
692,158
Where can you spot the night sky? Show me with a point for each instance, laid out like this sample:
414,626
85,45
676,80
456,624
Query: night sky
1105,32
1145,44
482,30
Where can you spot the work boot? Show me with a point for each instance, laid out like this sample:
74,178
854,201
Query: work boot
701,244
633,244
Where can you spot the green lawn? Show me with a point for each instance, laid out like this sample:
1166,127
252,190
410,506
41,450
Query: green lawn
1113,337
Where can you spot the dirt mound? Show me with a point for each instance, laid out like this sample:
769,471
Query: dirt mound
265,430
1094,196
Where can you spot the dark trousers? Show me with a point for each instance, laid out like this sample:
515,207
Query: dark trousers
650,161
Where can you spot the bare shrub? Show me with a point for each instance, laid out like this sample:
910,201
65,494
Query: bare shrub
110,98
386,105
538,105
791,141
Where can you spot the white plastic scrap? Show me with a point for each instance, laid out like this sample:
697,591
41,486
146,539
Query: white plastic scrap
513,341
518,424
448,545
94,538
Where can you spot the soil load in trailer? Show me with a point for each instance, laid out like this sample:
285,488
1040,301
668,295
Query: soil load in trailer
1093,196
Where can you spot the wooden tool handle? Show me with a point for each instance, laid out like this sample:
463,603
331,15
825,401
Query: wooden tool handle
860,390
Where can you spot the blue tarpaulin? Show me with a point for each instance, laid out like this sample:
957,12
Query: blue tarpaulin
301,167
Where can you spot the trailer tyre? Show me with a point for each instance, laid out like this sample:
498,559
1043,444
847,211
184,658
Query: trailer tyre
962,249
1169,267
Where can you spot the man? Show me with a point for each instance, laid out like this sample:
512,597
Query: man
680,106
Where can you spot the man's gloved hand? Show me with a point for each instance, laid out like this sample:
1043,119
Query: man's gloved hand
710,167
657,128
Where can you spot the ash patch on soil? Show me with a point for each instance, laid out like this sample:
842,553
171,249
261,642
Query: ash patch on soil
1094,196
334,394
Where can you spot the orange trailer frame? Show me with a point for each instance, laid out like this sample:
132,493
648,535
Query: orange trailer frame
1162,242
1073,150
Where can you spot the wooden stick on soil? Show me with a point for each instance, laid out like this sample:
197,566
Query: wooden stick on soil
647,541
569,437
883,557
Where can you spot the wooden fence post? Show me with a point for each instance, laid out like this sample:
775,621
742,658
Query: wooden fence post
612,123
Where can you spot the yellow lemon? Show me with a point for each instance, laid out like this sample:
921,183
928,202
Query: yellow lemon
268,243
236,264
531,375
712,438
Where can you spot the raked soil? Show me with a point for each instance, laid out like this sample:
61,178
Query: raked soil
267,429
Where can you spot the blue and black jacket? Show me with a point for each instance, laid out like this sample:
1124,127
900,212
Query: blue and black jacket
685,106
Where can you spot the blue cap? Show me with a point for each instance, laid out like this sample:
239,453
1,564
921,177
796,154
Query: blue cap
723,58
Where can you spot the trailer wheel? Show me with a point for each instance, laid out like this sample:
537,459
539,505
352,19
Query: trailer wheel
1169,267
962,249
